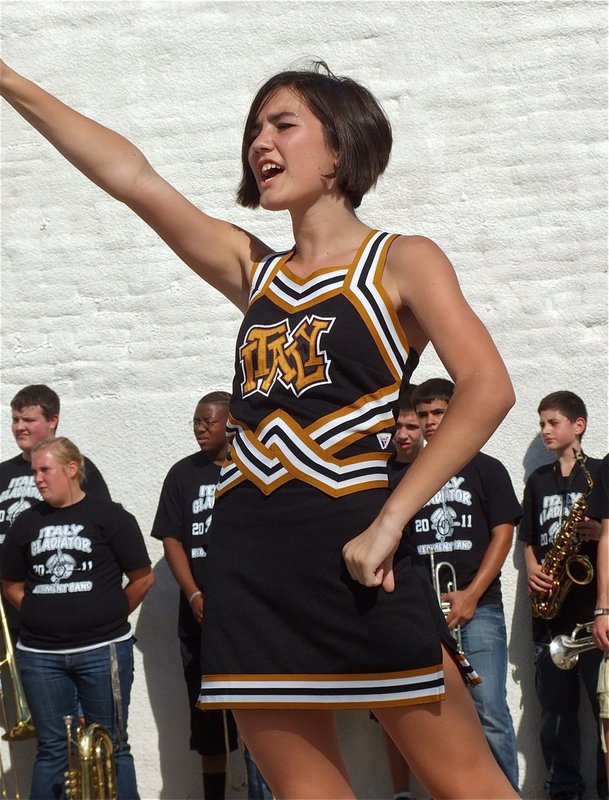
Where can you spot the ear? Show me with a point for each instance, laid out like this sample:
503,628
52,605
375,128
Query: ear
580,426
54,422
72,469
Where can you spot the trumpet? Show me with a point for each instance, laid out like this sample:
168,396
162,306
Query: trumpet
565,650
91,773
451,586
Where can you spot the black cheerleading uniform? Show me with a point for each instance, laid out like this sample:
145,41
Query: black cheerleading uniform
319,365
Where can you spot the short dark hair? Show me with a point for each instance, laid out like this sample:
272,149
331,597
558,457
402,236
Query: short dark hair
433,389
405,403
216,398
566,403
37,395
354,124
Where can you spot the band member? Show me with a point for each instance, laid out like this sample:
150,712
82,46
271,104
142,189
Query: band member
549,497
182,523
63,562
469,525
598,508
310,590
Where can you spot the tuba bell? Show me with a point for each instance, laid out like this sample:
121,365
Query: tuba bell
91,773
565,650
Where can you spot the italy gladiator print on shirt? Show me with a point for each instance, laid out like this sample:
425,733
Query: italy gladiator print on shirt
82,549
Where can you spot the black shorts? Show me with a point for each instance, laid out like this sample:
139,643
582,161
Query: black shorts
207,731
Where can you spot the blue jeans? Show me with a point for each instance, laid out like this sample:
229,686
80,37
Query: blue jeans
484,642
257,788
59,685
558,691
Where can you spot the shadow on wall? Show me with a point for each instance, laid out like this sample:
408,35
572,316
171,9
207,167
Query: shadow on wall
157,636
521,651
536,456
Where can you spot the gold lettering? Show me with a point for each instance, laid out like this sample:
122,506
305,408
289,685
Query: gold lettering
269,353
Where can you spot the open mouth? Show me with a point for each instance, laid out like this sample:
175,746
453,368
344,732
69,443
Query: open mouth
268,171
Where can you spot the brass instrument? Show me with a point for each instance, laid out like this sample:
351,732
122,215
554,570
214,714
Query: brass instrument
24,727
562,562
91,773
451,586
565,650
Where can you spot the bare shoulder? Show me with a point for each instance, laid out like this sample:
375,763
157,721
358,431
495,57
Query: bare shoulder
416,264
413,251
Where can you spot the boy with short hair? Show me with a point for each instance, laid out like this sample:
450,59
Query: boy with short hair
407,439
550,493
470,523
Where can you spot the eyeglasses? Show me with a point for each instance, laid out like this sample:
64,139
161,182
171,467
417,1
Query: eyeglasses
205,424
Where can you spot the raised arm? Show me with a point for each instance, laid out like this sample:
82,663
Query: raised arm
219,252
423,287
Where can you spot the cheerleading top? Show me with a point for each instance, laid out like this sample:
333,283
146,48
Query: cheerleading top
318,368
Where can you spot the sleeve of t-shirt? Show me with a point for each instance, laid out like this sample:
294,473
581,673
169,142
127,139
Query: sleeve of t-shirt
598,503
94,482
127,541
13,565
503,505
526,529
169,517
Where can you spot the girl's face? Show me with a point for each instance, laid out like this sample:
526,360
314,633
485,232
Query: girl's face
288,153
55,481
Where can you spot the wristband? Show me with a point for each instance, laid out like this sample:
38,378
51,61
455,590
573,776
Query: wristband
197,594
601,612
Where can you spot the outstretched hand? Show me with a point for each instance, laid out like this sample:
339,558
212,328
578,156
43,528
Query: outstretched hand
369,556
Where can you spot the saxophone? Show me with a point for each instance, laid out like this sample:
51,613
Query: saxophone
562,562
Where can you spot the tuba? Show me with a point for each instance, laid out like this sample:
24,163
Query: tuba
91,773
562,562
565,650
451,586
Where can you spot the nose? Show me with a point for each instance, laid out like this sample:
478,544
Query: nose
262,142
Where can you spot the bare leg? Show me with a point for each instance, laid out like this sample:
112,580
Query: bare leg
398,767
298,753
445,746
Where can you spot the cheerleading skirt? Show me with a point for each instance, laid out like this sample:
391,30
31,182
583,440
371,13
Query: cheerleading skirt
285,626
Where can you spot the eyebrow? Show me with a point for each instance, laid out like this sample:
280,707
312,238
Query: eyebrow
275,116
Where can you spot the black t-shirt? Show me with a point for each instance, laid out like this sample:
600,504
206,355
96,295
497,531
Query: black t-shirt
548,499
455,525
72,561
395,471
184,513
18,492
598,502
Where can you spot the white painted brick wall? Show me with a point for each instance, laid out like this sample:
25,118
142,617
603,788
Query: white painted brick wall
499,115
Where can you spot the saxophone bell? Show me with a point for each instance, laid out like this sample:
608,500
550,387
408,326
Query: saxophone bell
579,570
565,650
